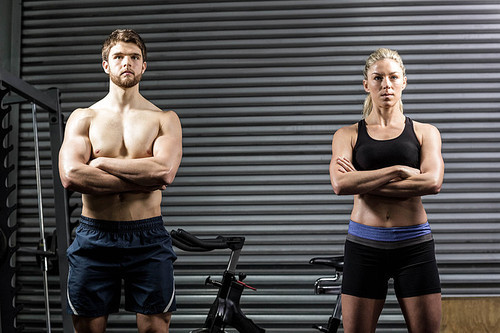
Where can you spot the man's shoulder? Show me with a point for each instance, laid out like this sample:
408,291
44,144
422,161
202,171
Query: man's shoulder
163,114
81,113
149,106
170,119
84,110
169,114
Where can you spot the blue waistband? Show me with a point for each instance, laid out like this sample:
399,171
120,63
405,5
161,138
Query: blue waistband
113,226
392,234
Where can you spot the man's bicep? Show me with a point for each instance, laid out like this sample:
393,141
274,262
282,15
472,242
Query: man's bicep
167,148
76,149
76,146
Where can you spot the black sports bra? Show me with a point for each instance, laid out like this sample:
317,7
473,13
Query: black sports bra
371,154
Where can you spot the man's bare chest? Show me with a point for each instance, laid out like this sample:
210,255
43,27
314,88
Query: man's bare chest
123,136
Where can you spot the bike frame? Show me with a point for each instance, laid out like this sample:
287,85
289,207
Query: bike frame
226,309
330,285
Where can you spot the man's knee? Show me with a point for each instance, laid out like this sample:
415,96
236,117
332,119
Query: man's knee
157,323
90,324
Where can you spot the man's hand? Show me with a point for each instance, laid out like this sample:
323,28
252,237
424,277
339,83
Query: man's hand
94,163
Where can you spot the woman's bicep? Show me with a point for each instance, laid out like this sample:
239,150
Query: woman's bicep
342,143
341,149
431,158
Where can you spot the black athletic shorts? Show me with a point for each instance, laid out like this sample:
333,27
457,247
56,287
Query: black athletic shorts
368,269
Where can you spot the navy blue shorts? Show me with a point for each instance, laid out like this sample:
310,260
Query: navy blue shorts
106,252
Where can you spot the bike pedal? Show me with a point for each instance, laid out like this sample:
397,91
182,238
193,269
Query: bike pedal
210,282
320,328
246,285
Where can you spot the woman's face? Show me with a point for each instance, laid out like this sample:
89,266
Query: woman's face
385,83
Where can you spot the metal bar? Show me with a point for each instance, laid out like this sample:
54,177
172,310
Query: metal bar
62,211
7,265
16,99
233,261
26,90
50,101
45,264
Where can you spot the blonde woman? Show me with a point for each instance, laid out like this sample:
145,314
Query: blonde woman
387,161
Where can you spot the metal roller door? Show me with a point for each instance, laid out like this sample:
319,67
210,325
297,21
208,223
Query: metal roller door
260,87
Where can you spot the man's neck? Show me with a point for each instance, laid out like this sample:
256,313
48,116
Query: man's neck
123,98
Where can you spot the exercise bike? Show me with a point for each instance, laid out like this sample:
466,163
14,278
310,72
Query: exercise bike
330,285
226,310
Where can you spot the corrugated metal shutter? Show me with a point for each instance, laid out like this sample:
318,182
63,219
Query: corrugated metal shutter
260,87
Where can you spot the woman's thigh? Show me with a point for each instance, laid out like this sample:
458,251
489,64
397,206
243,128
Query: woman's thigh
360,315
422,313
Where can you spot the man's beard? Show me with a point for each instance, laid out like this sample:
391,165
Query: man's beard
125,82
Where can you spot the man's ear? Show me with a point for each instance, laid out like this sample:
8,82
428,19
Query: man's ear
105,66
144,66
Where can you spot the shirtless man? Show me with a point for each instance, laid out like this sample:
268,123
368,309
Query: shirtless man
120,153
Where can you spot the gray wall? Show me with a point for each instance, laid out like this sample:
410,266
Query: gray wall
10,32
260,87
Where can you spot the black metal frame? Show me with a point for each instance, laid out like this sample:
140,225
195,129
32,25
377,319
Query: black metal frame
49,101
226,309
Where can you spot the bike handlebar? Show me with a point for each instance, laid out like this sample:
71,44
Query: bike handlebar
188,242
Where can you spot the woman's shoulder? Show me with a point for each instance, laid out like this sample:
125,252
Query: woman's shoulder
425,130
346,135
424,127
348,130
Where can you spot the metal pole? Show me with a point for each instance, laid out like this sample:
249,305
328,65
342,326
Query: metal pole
62,209
45,263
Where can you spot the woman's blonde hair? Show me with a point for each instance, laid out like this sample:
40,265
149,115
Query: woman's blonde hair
379,54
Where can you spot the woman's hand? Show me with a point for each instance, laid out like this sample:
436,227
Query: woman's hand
344,165
406,172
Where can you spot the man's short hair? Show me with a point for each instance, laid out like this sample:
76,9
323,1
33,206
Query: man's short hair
126,36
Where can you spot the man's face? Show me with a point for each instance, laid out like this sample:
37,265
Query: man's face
125,65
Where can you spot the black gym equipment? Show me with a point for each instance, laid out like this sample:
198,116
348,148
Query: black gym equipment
51,250
226,309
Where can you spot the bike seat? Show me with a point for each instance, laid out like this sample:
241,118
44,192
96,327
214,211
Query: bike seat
188,242
334,262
